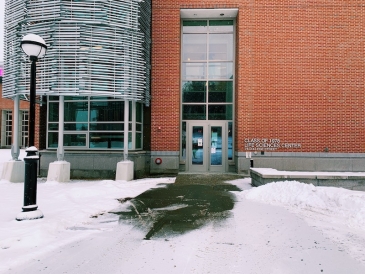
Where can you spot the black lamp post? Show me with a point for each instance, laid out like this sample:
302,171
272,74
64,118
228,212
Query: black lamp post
35,47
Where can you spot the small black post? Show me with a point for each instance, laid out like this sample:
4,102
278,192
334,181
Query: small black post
30,180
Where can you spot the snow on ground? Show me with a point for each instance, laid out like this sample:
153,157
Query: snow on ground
283,227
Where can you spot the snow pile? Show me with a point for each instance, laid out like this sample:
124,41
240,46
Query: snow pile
340,203
71,212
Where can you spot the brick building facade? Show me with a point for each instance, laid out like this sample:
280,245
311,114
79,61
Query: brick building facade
233,83
298,86
6,114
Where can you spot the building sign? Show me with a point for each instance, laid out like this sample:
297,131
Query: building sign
260,144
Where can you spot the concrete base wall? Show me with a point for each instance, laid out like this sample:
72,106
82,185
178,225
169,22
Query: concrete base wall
170,162
347,162
96,164
103,164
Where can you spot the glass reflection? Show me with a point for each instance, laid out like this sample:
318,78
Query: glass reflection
195,26
183,140
220,91
194,71
230,141
106,140
221,47
53,112
197,146
220,112
194,112
221,70
194,91
105,111
76,111
75,126
194,47
106,126
220,26
216,146
72,140
52,139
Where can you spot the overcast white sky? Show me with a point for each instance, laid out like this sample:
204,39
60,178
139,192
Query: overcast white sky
2,8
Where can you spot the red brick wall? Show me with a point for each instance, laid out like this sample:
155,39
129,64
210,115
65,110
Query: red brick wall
8,104
299,73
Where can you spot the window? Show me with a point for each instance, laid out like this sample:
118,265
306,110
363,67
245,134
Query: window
7,128
95,123
25,125
207,69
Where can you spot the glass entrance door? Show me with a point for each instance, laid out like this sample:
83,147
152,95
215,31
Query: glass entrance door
207,148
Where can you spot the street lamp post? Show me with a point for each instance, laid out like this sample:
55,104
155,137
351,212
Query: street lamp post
35,47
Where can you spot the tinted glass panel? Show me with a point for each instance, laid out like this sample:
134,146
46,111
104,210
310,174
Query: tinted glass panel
194,23
230,141
183,140
53,112
197,146
52,139
73,98
105,111
138,140
75,126
76,111
106,140
194,71
220,91
220,22
220,112
221,47
194,47
220,26
72,140
130,112
194,112
138,127
216,146
130,140
107,127
52,126
194,91
138,113
221,70
195,26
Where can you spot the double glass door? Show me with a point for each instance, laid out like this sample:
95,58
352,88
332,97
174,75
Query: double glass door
207,147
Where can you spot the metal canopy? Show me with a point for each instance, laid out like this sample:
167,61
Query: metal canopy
95,47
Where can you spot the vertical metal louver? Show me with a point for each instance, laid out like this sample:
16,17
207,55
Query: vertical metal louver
95,47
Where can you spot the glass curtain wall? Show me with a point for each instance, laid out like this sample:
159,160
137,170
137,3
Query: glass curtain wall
207,73
94,123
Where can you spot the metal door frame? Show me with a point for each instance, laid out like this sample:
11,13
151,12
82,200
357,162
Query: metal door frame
206,166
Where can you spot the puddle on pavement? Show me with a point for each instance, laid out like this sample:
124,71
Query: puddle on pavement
176,209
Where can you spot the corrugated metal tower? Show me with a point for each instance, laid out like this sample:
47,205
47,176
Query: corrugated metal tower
95,47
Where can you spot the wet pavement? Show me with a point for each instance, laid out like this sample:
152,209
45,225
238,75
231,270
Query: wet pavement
193,201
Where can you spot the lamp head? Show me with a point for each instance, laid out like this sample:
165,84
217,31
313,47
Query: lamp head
34,46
